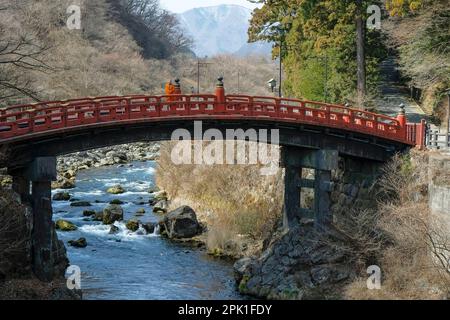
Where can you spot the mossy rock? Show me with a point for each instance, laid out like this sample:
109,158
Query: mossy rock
243,285
112,213
117,189
132,225
216,252
116,201
64,225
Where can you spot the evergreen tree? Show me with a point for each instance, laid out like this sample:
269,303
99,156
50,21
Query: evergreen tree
320,52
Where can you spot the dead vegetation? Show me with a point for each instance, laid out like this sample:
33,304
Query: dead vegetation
42,59
401,236
14,236
236,201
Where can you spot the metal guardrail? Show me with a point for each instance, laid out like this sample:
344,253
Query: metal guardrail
437,140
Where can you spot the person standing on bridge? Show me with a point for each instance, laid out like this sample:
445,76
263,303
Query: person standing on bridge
169,90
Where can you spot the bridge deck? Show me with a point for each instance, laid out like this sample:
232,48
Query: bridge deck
19,123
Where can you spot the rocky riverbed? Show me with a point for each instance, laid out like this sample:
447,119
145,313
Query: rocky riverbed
128,250
68,166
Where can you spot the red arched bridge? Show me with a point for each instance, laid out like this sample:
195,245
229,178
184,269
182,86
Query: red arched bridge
315,135
24,122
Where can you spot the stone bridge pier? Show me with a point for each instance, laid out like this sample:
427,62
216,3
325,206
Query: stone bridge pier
33,184
297,183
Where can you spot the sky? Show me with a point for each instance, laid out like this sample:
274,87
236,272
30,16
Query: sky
179,6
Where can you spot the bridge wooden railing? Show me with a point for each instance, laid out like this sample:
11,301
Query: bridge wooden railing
22,120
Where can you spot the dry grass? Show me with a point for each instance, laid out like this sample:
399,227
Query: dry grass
411,246
235,201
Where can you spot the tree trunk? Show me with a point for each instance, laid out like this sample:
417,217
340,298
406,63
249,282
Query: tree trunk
361,58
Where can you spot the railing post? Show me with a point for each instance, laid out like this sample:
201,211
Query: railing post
177,87
220,96
401,118
421,135
436,138
177,91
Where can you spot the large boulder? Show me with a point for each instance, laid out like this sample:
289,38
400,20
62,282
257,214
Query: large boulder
112,213
180,223
64,225
61,196
118,189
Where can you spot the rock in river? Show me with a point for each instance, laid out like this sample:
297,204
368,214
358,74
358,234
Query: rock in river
80,204
140,212
61,196
80,243
132,225
98,216
88,213
114,230
116,201
65,225
112,213
66,184
149,227
118,189
180,223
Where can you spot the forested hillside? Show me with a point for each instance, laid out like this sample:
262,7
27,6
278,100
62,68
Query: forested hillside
420,32
123,47
319,50
319,46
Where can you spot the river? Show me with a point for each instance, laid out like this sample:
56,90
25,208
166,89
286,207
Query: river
135,265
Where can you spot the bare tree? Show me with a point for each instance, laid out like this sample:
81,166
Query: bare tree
156,30
19,56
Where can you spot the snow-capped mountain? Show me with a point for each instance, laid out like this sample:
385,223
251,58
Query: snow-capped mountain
220,29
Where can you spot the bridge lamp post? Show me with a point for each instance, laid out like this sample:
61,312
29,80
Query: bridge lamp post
447,135
283,30
200,64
